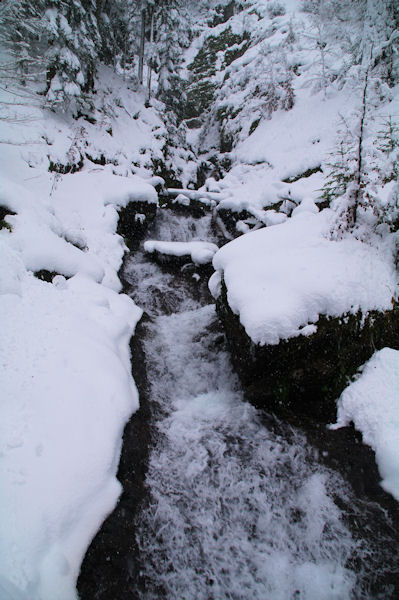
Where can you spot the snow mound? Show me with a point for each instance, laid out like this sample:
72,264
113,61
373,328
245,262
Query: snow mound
281,278
372,403
181,199
201,253
108,188
66,394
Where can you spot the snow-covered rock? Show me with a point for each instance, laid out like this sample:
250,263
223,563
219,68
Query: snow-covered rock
302,312
372,404
281,279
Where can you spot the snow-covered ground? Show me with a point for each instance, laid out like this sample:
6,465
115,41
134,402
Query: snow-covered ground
66,382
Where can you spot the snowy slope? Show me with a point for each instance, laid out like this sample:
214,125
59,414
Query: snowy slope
289,97
67,390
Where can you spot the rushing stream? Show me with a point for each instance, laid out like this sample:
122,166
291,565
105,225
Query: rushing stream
237,504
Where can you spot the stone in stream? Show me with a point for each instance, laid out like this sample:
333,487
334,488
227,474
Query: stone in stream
134,219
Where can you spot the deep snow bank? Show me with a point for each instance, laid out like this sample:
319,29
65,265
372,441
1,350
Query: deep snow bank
66,382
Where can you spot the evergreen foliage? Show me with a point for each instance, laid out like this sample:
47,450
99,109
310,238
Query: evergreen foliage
171,37
59,43
20,25
365,158
73,39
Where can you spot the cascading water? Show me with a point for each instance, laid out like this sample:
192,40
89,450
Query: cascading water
237,505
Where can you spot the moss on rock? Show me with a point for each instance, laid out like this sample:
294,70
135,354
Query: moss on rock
201,93
305,375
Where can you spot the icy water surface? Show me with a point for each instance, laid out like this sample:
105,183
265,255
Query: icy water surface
238,506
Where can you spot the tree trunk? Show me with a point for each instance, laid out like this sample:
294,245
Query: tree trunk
142,43
149,76
359,159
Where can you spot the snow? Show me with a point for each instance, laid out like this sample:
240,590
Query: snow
372,404
281,278
201,253
67,393
290,144
65,371
181,199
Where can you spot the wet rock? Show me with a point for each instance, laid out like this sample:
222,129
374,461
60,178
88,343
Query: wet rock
301,378
194,123
193,207
165,169
305,375
216,166
230,219
45,275
134,220
179,263
4,212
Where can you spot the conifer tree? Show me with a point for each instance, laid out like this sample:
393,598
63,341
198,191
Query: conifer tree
171,37
73,41
61,42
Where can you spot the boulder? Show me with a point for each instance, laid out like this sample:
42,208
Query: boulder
304,375
134,219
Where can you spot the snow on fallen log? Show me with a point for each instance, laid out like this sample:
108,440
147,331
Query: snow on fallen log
194,194
201,253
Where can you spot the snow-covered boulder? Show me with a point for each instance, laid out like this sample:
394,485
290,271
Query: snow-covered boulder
303,311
